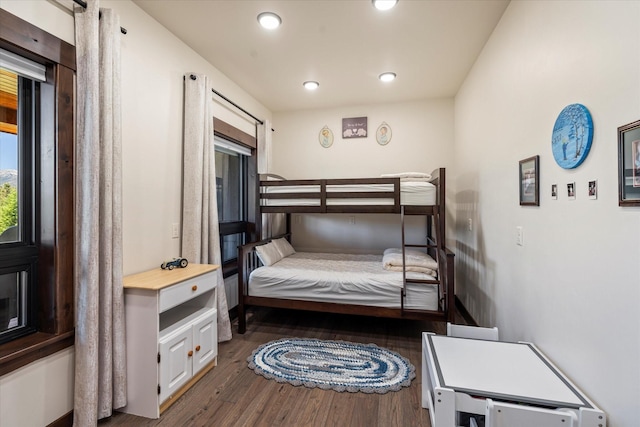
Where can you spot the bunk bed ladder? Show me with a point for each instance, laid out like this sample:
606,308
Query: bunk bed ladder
432,242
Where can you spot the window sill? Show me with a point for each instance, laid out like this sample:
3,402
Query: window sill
22,351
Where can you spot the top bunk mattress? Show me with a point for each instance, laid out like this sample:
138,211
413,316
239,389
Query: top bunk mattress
412,193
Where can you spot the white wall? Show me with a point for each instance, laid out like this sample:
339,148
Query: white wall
422,140
153,64
574,287
39,393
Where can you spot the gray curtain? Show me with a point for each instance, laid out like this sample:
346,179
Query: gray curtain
200,230
273,224
100,354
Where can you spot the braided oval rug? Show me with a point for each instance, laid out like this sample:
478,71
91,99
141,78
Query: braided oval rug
335,365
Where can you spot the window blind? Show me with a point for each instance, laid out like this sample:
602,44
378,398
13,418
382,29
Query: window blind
22,66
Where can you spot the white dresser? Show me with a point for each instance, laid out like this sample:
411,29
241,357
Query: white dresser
172,339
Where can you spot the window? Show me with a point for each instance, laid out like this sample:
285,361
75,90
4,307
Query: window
37,254
236,191
18,251
231,190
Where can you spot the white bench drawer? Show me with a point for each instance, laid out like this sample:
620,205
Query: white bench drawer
177,294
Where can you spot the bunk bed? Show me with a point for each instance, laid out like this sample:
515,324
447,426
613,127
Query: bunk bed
316,282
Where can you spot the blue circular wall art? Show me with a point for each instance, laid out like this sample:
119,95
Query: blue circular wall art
572,136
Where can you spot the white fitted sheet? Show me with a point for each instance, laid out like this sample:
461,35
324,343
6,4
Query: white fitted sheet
414,193
341,278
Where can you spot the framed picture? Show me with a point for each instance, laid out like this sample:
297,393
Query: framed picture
554,191
325,137
383,134
629,164
530,181
593,189
571,191
354,127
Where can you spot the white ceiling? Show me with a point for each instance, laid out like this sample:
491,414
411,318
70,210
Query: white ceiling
344,45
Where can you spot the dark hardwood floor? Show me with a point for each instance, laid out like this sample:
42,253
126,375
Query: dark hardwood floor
233,395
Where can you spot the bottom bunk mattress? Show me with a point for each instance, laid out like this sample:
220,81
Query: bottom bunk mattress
343,279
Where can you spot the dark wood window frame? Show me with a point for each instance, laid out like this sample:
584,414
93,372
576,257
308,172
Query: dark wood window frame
226,131
55,224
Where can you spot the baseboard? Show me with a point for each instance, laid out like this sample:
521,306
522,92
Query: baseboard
464,313
64,421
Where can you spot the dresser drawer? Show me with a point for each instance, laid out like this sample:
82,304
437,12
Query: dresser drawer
177,294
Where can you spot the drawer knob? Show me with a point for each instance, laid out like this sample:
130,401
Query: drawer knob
197,348
194,288
190,353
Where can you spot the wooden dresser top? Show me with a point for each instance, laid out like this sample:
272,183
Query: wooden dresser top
158,278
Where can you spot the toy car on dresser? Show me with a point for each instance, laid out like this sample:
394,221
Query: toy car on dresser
176,262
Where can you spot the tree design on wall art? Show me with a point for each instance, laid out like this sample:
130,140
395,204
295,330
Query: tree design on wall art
572,136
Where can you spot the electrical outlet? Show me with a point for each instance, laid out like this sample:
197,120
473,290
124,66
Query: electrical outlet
175,230
352,220
519,236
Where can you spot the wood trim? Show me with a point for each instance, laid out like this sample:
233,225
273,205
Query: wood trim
23,38
65,202
18,353
227,131
464,313
64,421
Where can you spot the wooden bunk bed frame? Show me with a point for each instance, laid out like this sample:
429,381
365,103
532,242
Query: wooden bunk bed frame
248,260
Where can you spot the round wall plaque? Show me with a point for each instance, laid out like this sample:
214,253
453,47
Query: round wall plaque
325,137
572,136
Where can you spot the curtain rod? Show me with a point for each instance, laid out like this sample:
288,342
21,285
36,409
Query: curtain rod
237,106
84,4
193,77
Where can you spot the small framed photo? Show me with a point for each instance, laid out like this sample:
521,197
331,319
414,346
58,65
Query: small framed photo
554,191
593,190
530,181
571,191
629,164
354,127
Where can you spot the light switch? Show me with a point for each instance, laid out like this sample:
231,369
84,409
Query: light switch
519,236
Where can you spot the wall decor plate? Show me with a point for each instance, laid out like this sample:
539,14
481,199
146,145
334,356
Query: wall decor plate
325,137
383,134
572,136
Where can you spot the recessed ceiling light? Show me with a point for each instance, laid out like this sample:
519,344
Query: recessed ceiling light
387,77
311,85
269,20
384,4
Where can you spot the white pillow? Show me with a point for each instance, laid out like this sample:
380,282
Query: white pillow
268,254
406,175
284,247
